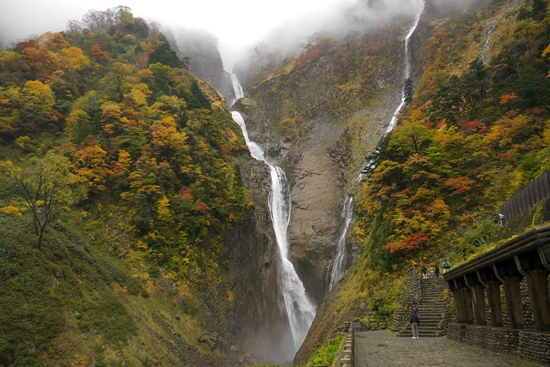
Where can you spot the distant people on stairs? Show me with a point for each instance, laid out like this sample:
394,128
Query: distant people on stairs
415,320
424,270
446,266
431,272
436,271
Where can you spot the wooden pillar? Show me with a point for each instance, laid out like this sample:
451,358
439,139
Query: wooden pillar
493,295
540,303
459,305
513,301
479,304
467,300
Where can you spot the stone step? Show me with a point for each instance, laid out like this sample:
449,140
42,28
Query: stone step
420,334
420,331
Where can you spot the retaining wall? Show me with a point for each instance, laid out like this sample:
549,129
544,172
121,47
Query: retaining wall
526,344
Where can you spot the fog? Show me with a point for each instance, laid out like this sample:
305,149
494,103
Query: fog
235,23
238,25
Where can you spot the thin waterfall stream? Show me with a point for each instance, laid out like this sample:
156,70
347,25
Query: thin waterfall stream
491,24
338,265
419,4
299,308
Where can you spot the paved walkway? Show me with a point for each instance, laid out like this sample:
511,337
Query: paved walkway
384,349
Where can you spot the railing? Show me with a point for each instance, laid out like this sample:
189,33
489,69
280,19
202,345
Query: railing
530,195
347,357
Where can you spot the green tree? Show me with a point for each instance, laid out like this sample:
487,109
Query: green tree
164,54
36,102
47,188
198,100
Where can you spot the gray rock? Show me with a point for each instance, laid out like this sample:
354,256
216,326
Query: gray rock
55,282
59,274
77,314
114,232
84,336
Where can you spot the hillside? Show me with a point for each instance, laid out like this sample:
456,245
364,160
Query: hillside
120,184
472,135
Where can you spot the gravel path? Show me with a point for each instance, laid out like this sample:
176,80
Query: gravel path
384,349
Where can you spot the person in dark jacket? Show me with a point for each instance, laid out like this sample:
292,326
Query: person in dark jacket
415,320
437,271
414,308
424,270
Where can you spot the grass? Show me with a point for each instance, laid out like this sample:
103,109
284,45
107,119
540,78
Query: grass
94,312
326,355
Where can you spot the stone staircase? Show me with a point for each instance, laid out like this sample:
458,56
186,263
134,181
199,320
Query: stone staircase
432,310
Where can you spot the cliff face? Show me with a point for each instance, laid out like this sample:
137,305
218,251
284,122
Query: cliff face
249,267
319,129
205,60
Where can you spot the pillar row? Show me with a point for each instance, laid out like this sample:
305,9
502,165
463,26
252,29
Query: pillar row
493,296
540,302
459,306
467,298
479,304
513,301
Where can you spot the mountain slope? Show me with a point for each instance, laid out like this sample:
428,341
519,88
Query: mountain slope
129,167
472,137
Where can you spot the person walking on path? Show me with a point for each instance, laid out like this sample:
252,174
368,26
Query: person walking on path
424,270
446,266
431,272
414,324
436,271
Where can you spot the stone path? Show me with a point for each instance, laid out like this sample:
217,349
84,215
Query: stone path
384,349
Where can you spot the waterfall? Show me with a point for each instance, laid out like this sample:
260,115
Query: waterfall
419,4
491,24
299,308
485,48
337,266
239,93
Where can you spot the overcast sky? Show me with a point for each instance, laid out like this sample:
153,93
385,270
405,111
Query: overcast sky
236,23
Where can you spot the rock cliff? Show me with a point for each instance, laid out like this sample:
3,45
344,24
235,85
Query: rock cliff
320,138
205,60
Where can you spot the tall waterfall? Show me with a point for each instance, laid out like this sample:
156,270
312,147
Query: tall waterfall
419,4
239,93
338,265
299,308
